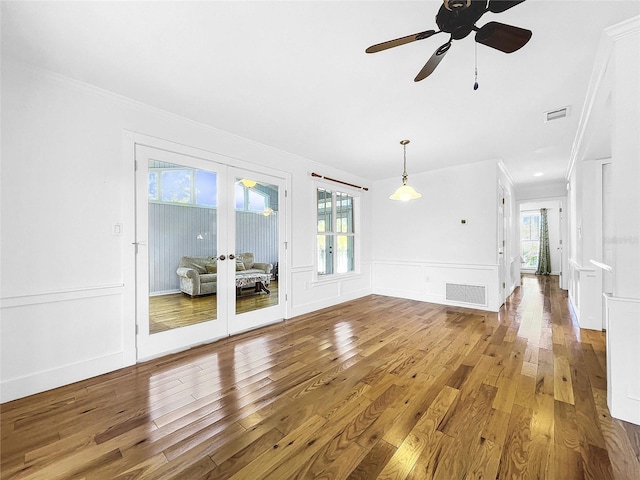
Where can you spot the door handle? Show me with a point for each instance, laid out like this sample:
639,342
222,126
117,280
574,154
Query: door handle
222,257
231,256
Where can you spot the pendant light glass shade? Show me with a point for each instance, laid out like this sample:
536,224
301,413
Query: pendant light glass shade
405,192
248,183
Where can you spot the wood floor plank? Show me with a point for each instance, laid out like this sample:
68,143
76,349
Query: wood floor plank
378,387
232,464
515,457
374,462
287,447
620,437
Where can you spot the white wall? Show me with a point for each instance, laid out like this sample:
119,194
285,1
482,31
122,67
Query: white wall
611,107
63,271
421,245
623,307
544,190
626,166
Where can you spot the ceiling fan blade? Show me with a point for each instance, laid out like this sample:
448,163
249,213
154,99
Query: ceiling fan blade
499,6
505,38
400,41
433,62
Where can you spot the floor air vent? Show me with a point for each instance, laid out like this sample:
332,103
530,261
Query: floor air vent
472,294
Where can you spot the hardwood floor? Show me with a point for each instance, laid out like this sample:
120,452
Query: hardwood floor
179,310
375,388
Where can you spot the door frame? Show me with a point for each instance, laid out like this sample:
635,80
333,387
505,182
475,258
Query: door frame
129,141
501,252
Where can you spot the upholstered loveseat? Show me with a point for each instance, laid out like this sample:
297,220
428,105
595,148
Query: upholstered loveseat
199,275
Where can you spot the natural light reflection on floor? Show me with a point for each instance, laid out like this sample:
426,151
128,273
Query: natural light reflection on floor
252,355
342,332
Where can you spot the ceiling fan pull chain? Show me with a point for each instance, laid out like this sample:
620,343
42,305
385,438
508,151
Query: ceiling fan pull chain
475,84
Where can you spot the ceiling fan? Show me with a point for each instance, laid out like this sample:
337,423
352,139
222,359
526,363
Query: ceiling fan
458,18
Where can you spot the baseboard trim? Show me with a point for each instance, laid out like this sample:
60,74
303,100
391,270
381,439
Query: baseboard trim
435,299
325,303
13,389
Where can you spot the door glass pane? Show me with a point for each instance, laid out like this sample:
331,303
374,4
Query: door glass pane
206,188
182,246
257,244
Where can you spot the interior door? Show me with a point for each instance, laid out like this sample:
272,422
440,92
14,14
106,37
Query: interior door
199,218
181,206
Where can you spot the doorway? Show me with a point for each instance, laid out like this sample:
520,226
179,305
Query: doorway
209,239
529,228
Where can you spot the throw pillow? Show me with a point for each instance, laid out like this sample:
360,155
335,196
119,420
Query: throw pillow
239,266
196,266
247,259
211,268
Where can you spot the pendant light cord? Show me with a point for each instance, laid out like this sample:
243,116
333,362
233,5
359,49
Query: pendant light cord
404,171
475,83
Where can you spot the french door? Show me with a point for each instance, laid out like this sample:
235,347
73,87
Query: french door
209,238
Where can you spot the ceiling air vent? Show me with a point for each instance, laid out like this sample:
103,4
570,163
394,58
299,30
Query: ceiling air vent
557,114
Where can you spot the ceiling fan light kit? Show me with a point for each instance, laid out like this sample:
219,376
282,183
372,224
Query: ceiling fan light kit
458,18
405,192
452,5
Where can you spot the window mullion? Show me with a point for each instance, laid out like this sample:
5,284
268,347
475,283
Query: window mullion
334,230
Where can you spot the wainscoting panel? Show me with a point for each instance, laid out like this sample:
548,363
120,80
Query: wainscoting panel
258,234
308,295
191,231
54,339
514,273
176,231
585,295
428,282
623,357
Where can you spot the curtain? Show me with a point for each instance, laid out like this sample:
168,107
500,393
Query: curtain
544,255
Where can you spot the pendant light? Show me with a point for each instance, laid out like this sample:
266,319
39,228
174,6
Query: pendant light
248,183
405,192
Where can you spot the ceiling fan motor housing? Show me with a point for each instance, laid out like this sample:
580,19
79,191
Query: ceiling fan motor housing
460,21
452,5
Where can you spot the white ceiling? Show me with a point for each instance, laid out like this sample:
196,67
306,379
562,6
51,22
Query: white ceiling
294,75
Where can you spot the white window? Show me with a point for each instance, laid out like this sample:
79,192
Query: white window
529,238
336,234
189,186
183,186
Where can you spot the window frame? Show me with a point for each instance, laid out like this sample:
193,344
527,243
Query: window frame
355,196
